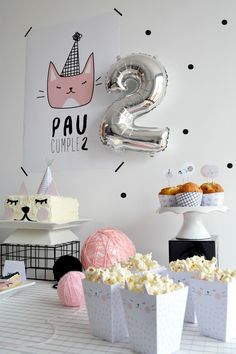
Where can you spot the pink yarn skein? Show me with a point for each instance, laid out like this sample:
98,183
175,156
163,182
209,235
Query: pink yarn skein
70,289
105,247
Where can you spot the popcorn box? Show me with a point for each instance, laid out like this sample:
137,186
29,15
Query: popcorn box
167,200
215,307
212,199
189,199
105,310
155,323
184,277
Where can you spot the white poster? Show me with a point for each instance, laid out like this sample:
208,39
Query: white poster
65,96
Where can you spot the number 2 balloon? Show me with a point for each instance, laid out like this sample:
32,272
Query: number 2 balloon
118,129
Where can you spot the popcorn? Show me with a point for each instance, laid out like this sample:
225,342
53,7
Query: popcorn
152,283
140,262
193,264
120,272
94,274
113,275
218,274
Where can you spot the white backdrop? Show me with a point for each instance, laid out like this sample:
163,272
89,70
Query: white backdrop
201,100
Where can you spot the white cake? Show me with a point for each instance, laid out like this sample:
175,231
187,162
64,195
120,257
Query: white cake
41,208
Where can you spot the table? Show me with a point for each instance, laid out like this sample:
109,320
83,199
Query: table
33,321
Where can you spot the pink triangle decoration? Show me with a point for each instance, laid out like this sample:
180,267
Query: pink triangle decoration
52,189
23,190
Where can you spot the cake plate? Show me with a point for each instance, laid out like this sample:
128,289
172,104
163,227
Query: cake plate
41,233
193,227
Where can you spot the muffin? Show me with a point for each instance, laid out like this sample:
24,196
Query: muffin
167,196
189,195
213,194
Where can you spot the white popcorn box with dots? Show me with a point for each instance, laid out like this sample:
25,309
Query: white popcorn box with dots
105,311
184,277
155,323
215,307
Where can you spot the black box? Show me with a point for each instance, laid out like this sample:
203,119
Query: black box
181,249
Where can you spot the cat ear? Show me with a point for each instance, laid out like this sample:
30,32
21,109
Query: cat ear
23,189
89,66
52,72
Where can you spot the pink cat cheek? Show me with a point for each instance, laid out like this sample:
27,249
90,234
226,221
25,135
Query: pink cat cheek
42,214
147,309
217,296
54,96
85,96
130,306
8,214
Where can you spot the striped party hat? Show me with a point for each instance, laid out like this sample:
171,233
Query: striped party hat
47,185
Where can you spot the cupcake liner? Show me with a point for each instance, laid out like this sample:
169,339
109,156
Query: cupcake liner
189,199
212,199
167,200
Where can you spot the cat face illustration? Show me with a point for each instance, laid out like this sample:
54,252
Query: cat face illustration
70,91
97,294
210,293
27,208
183,280
139,306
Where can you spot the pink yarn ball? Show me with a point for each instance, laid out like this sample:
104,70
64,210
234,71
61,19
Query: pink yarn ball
70,289
105,247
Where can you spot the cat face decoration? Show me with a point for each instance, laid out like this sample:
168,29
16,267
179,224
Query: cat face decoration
27,208
71,88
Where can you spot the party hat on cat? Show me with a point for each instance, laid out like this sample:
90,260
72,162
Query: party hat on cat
47,185
72,65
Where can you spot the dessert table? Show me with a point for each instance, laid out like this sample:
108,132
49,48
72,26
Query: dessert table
33,321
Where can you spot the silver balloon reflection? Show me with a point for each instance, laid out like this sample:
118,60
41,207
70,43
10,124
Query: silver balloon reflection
149,80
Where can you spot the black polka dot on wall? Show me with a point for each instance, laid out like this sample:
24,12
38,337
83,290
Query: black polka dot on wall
229,165
148,32
123,195
185,131
190,66
224,22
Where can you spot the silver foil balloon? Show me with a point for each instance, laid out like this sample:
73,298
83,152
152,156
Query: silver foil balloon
118,129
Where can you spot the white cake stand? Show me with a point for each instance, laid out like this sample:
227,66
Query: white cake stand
40,233
193,227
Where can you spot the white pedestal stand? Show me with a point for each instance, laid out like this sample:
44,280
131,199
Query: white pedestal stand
37,233
193,227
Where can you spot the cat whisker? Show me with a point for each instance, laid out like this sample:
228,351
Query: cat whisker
98,78
41,90
40,96
98,84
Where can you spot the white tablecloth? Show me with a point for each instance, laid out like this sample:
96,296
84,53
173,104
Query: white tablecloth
33,321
